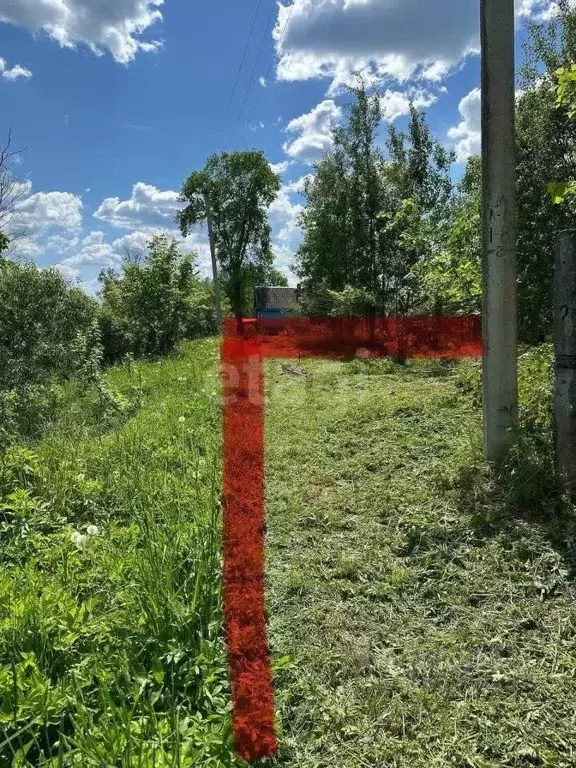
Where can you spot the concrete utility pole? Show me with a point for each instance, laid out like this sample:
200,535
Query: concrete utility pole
565,351
499,225
217,299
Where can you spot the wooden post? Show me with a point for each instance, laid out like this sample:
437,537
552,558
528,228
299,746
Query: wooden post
216,284
499,315
565,353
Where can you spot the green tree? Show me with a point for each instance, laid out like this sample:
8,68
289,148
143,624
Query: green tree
240,187
4,243
154,304
417,215
565,191
323,257
546,150
358,142
451,279
44,326
343,236
48,334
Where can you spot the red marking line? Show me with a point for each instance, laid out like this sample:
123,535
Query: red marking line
243,539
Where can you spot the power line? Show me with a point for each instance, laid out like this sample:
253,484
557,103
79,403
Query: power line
280,40
254,69
243,59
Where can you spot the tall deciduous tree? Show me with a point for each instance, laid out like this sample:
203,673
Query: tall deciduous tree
370,220
418,212
241,186
451,279
343,242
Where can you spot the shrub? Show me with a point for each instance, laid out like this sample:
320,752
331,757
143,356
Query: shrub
154,305
48,334
46,326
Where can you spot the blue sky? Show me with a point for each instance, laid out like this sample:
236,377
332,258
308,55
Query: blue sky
116,101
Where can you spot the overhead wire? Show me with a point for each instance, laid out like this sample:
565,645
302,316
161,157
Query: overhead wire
257,61
280,40
241,66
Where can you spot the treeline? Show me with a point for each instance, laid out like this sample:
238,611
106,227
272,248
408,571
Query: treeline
387,232
52,332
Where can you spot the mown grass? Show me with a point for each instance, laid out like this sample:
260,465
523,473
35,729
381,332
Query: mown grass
110,642
427,605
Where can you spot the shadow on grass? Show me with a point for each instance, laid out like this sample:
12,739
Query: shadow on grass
521,501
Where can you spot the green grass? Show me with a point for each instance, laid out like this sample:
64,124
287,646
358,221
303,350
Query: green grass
112,651
428,622
422,608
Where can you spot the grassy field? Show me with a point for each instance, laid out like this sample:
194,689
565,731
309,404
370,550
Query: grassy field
427,621
419,614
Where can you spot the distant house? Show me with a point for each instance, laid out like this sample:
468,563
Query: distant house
272,304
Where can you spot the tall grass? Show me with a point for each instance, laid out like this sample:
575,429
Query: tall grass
111,649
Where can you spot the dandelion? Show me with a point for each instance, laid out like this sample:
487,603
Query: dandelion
92,530
182,419
78,539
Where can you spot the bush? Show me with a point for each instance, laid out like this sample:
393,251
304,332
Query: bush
526,479
47,327
320,301
48,334
154,305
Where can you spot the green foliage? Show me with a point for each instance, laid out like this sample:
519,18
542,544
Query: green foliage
240,187
565,98
154,304
48,334
546,149
44,326
451,280
371,223
4,243
566,89
320,301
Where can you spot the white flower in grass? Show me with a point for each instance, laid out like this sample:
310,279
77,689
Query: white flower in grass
182,419
78,539
92,530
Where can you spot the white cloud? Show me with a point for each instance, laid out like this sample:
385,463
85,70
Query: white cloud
115,26
17,72
382,39
315,129
262,81
96,251
299,184
36,215
286,233
468,133
70,273
395,38
148,207
397,103
281,167
539,9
